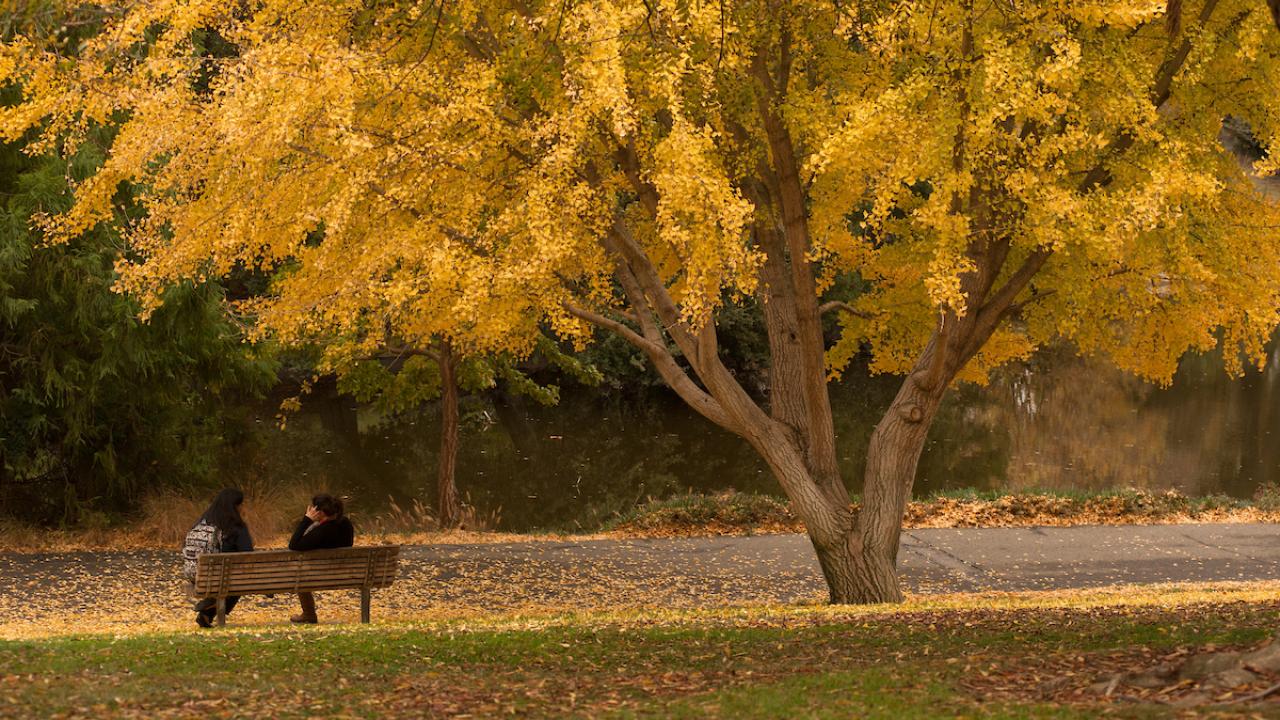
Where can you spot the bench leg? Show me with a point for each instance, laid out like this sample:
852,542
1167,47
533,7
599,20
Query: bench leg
364,605
222,611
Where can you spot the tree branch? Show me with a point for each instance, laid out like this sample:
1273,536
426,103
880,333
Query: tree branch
666,366
845,307
615,327
396,353
656,292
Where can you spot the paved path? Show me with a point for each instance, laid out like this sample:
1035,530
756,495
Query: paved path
930,560
96,591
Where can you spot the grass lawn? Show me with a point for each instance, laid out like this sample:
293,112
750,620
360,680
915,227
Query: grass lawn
970,657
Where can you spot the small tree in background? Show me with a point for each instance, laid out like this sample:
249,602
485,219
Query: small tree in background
402,378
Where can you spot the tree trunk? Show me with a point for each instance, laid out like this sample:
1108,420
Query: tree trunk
859,553
448,505
856,576
892,458
855,571
852,575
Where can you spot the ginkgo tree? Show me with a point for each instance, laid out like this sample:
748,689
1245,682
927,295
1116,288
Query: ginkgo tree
998,173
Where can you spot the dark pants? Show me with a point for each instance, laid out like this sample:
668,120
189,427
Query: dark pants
209,606
308,603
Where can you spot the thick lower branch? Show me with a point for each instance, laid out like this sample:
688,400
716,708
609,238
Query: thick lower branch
666,366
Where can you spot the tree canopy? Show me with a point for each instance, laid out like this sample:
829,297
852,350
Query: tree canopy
486,147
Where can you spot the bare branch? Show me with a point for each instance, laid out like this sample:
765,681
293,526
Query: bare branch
845,307
615,327
938,352
720,56
665,364
1003,298
397,353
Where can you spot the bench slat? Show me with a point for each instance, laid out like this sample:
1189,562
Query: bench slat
276,582
353,572
279,580
298,565
378,565
241,559
304,570
283,587
312,555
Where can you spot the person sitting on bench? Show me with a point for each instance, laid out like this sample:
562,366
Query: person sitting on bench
325,526
219,529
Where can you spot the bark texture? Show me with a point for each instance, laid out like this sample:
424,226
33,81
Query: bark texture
448,504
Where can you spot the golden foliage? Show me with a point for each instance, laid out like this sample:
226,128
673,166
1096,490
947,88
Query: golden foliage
415,170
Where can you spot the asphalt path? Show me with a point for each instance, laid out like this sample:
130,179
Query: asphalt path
930,560
101,590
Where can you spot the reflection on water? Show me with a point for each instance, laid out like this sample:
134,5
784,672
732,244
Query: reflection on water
1084,426
1057,422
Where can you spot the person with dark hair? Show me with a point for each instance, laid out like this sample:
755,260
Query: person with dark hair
219,529
324,526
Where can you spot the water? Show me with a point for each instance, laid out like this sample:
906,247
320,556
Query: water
1058,422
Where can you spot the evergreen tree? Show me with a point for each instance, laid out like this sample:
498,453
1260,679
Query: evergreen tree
95,404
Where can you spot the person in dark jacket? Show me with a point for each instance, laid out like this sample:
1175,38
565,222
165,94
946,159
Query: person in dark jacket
324,526
224,514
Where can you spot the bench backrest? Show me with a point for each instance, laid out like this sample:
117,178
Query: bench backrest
283,571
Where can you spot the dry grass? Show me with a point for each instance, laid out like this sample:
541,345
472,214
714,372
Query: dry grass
270,510
417,518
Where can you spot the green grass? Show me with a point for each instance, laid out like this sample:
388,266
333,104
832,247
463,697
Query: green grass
870,694
697,510
761,663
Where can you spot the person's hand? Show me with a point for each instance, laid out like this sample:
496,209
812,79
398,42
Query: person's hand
313,514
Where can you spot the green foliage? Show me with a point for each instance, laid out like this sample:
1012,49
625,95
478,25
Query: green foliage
96,405
416,381
398,384
728,510
1267,497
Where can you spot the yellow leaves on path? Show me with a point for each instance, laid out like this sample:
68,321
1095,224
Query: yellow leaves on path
135,593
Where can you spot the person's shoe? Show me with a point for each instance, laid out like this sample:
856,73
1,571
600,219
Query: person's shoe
304,619
203,620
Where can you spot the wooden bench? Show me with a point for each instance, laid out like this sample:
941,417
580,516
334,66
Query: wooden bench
224,575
